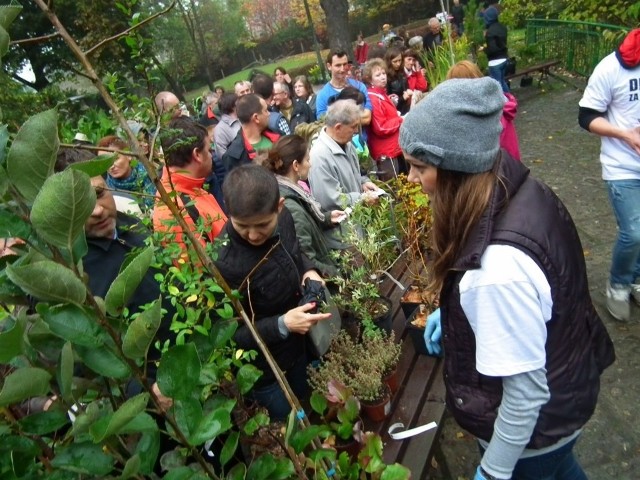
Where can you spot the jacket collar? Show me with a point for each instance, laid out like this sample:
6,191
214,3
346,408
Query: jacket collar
273,137
511,176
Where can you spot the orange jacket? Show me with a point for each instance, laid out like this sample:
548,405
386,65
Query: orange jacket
205,203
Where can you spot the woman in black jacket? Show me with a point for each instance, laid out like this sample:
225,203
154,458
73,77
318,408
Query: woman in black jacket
496,48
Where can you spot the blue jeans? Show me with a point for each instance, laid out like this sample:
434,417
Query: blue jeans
624,196
273,398
498,73
559,464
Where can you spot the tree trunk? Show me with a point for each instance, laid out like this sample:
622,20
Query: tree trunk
337,15
176,87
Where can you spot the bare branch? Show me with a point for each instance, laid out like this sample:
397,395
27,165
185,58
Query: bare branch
29,41
129,30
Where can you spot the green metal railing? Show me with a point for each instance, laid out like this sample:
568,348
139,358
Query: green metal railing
578,45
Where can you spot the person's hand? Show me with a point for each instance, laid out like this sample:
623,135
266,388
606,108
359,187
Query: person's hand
165,402
369,187
299,320
479,475
313,275
433,333
407,94
632,137
337,216
287,78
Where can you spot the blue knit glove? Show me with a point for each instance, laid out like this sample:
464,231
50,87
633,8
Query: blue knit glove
433,333
479,475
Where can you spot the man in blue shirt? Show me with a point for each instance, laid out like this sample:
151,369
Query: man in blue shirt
337,64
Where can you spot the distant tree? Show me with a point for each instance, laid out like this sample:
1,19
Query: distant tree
91,22
337,14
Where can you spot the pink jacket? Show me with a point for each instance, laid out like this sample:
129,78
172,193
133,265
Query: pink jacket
384,129
509,137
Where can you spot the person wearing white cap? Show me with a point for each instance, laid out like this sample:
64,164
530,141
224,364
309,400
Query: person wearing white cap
523,345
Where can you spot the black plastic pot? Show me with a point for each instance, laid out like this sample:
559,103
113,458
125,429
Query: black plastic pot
417,335
408,307
383,321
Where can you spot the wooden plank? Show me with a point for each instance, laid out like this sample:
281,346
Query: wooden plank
542,67
420,398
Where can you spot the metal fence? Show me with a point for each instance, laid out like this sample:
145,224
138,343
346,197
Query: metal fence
578,45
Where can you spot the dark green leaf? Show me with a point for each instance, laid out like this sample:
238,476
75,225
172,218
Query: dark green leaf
79,248
222,331
104,362
83,458
12,225
302,438
179,372
229,448
180,473
65,371
262,468
247,377
72,323
284,469
33,153
8,14
19,444
4,178
4,42
125,284
142,331
238,472
24,383
211,425
148,449
11,338
131,468
49,281
95,167
120,418
143,422
62,206
4,139
43,423
318,403
85,420
188,414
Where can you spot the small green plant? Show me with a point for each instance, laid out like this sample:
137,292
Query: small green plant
315,75
359,365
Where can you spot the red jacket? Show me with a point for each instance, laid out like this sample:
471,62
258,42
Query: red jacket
416,80
361,52
384,129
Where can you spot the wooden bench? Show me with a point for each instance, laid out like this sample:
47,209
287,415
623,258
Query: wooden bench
419,399
543,68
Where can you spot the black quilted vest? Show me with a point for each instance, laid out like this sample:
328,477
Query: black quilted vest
527,215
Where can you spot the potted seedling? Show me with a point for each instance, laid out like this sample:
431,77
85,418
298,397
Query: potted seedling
349,362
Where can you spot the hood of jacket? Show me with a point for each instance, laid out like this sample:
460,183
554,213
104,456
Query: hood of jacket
628,52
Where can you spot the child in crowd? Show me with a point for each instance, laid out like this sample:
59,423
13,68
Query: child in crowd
261,257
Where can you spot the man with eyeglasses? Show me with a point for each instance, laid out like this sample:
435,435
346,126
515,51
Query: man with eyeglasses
335,172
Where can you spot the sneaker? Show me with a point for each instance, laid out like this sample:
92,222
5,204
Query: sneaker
635,292
618,302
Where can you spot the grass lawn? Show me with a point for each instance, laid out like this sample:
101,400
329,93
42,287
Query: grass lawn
516,41
288,63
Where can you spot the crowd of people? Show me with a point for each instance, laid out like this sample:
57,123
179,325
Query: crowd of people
524,346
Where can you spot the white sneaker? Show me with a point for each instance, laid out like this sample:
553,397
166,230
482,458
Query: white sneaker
618,302
635,292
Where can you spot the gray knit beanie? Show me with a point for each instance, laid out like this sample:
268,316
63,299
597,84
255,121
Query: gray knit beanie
457,126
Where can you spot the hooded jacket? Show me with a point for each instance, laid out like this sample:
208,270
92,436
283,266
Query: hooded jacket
241,151
578,346
509,137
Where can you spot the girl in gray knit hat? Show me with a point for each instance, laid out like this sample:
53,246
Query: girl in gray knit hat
523,345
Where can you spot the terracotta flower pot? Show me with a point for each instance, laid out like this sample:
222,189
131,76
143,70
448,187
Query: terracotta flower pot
378,411
391,380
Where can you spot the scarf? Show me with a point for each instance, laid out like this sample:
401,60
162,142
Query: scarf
313,206
137,181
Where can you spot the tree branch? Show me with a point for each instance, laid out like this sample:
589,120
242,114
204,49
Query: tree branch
29,41
129,30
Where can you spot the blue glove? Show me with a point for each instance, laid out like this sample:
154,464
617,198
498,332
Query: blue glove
433,334
479,475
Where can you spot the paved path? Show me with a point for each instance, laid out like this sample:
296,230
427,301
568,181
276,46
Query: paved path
564,156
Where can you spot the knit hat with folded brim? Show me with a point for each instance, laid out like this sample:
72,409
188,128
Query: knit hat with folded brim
457,126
